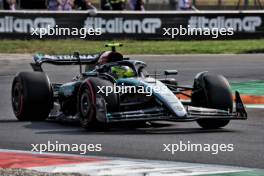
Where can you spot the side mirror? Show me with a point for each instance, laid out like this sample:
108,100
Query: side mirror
170,72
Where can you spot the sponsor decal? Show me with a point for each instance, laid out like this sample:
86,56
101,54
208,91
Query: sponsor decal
121,25
10,24
71,57
245,24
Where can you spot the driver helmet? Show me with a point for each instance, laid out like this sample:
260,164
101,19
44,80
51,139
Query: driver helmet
122,72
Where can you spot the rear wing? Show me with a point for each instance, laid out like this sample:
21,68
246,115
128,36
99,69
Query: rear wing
75,59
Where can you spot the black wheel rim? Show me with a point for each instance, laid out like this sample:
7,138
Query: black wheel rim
17,98
85,104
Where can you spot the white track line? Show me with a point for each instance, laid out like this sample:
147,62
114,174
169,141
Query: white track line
134,167
255,106
125,166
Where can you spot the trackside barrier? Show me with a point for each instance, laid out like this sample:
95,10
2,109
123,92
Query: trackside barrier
133,25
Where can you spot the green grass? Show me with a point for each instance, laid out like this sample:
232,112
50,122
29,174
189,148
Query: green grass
249,88
134,46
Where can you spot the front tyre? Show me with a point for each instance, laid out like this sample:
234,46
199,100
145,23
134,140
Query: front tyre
86,106
212,91
87,102
32,96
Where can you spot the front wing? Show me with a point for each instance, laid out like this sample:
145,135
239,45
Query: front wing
193,114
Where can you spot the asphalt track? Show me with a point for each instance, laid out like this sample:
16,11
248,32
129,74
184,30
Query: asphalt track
146,142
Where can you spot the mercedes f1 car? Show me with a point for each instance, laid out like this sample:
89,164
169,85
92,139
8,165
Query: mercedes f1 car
35,98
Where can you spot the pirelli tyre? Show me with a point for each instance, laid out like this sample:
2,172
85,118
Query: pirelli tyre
32,96
88,92
212,91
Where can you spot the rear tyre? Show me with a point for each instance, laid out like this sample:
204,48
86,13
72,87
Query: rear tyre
32,96
212,91
87,102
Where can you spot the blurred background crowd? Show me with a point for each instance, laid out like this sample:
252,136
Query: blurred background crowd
139,5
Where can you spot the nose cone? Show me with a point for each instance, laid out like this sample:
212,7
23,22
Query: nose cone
166,97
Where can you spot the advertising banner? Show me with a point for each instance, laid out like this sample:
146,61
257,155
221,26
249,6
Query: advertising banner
133,25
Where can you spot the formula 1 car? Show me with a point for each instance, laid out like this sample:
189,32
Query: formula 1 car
88,99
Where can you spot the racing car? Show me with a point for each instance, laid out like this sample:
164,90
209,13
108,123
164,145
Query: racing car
35,98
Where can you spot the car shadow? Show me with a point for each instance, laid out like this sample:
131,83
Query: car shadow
9,121
159,128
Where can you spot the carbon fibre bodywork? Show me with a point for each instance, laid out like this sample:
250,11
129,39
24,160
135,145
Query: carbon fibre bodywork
166,105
